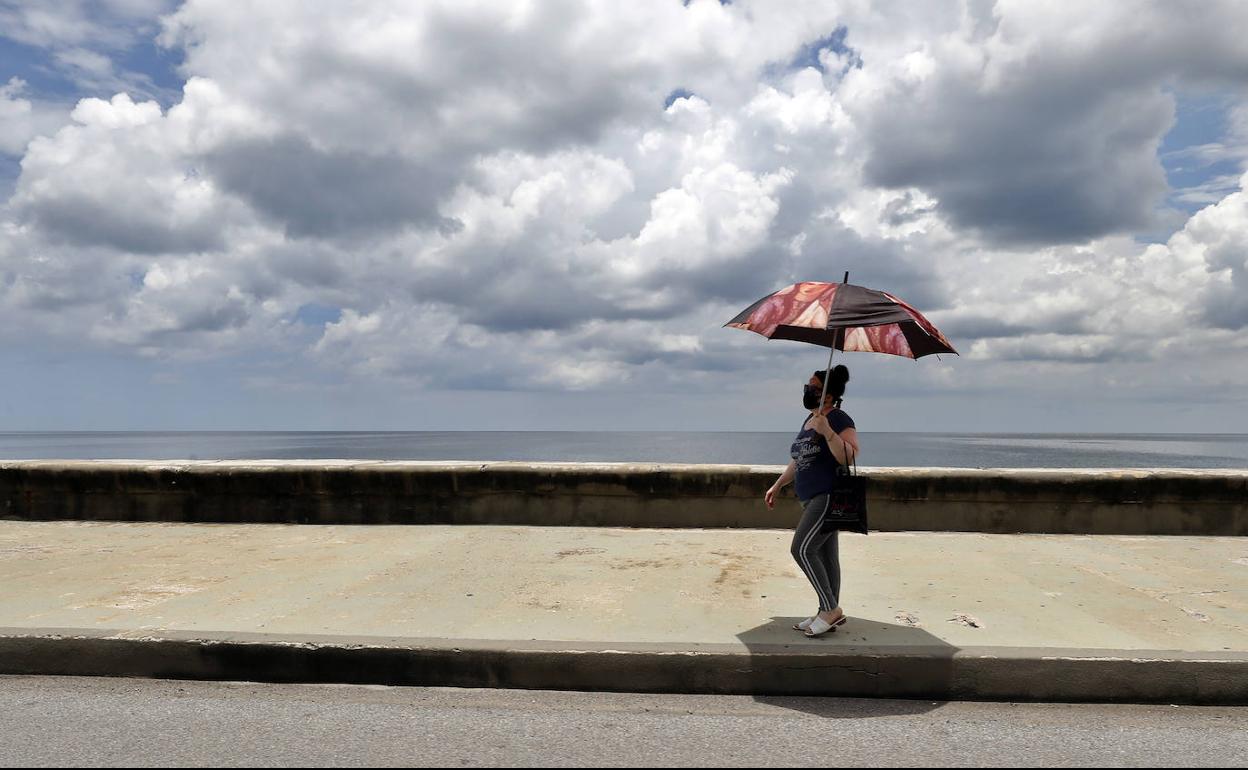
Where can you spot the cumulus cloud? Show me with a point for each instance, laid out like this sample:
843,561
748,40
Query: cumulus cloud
1218,237
119,177
576,196
1034,123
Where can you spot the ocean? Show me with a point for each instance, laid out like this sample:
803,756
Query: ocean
924,450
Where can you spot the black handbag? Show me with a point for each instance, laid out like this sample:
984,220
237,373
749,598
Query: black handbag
847,510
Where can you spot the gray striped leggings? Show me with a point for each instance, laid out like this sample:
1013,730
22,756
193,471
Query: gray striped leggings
818,553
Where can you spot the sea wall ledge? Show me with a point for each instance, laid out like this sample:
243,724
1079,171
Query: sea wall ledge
1056,501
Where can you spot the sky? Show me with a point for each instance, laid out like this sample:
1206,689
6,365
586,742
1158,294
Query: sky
471,215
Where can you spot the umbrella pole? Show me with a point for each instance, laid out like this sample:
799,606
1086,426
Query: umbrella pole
828,374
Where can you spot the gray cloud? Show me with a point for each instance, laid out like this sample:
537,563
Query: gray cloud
524,294
1056,143
1228,309
1036,354
1225,305
87,220
906,210
323,193
831,249
214,318
1034,166
983,327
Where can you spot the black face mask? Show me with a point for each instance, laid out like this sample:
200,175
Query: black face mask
811,396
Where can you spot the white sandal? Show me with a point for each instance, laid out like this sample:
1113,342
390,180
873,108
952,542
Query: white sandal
805,624
820,626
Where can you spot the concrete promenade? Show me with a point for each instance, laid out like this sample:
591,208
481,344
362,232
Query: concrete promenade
933,615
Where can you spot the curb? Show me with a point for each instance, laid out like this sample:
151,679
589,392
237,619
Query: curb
937,673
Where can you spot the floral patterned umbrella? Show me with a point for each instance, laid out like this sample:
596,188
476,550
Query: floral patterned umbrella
843,317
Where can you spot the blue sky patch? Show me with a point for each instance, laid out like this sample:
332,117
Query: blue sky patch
808,56
1200,167
315,314
153,70
33,65
679,93
160,64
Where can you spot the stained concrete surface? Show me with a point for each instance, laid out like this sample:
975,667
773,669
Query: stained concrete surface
627,586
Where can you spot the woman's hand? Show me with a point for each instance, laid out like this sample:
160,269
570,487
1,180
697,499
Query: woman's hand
789,473
819,422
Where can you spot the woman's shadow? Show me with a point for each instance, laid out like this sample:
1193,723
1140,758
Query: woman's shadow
904,668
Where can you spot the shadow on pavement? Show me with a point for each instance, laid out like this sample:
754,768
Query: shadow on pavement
862,659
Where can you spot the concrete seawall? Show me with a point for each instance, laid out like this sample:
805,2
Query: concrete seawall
1053,501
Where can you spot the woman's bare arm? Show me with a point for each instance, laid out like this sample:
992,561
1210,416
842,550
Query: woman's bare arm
787,477
843,444
850,437
789,474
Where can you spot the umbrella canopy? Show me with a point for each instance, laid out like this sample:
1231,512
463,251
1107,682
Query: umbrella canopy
845,317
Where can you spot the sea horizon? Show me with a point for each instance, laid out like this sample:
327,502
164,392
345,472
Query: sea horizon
880,448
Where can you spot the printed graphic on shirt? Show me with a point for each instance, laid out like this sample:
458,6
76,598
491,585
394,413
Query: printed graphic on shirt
805,449
815,464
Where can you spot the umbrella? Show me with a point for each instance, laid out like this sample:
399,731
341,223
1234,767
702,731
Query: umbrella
844,317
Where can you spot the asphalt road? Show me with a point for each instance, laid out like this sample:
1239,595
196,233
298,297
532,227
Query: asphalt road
117,722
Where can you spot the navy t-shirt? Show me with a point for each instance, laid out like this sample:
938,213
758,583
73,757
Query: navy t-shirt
816,465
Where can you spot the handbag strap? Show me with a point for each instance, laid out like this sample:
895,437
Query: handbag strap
851,467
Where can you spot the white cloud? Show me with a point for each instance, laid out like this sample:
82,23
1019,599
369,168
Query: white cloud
122,175
1217,236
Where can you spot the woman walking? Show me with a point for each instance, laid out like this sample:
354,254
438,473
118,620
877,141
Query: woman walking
827,441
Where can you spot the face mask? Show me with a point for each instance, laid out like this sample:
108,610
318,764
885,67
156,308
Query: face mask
811,396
